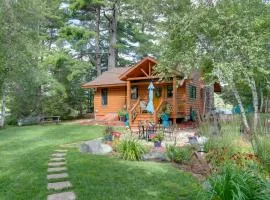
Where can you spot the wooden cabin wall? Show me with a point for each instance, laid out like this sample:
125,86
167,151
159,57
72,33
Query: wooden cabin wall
116,101
195,104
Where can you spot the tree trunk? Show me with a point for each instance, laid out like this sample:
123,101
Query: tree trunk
112,38
242,110
97,42
3,109
262,100
266,106
252,85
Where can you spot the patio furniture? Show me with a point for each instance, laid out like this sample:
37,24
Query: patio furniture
168,132
143,106
141,130
151,130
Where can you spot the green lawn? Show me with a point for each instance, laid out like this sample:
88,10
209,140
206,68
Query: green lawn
24,154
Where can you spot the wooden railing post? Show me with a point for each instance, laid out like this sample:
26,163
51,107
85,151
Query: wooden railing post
129,101
174,99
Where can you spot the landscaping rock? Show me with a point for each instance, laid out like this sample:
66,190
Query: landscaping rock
56,164
57,176
59,185
57,169
62,196
95,147
157,156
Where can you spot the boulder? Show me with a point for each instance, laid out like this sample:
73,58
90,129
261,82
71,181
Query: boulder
95,147
156,156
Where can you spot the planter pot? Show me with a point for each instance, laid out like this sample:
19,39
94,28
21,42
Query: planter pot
122,118
157,144
165,120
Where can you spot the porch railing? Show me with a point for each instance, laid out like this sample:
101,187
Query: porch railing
162,101
133,112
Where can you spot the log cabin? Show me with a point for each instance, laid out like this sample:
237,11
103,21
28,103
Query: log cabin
127,87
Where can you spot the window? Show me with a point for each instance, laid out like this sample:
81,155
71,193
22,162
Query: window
192,92
169,91
158,92
104,96
134,92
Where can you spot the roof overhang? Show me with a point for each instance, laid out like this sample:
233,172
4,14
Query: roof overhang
102,86
143,67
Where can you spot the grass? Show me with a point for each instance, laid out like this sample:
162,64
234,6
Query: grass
108,178
24,155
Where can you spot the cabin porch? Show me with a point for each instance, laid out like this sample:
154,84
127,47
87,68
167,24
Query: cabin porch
164,93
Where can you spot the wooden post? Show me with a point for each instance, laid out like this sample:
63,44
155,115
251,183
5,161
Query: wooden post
129,101
174,100
128,94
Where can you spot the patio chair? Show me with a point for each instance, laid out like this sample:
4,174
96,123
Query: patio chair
150,130
143,106
168,132
141,130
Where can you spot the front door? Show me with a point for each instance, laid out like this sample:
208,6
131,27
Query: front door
157,96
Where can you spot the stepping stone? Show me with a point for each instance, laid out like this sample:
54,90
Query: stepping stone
58,154
57,169
56,176
57,159
60,150
59,185
56,164
62,196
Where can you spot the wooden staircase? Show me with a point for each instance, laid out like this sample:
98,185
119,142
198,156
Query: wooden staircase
141,117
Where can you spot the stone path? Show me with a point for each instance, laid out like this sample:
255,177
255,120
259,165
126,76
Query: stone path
58,177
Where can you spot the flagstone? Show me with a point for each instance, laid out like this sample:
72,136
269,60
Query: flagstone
61,150
56,164
57,159
62,196
58,154
59,185
57,176
57,169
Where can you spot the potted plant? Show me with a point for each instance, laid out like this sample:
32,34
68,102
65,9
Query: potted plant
122,115
158,139
165,114
107,135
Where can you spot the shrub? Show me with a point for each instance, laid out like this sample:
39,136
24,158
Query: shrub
233,183
131,149
261,146
179,154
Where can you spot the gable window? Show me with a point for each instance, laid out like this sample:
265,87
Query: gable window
134,92
104,96
192,92
169,91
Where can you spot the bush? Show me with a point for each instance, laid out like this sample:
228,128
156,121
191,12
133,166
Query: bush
131,149
179,154
233,183
261,146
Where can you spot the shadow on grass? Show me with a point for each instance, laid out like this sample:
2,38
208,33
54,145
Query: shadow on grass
102,177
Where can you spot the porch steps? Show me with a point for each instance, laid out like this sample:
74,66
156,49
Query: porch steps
141,117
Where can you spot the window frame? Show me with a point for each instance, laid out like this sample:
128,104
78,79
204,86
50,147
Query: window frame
171,91
192,92
104,94
136,92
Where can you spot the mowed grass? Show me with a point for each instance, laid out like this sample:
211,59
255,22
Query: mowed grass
25,152
24,155
108,178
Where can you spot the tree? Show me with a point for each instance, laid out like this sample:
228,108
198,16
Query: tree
230,35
